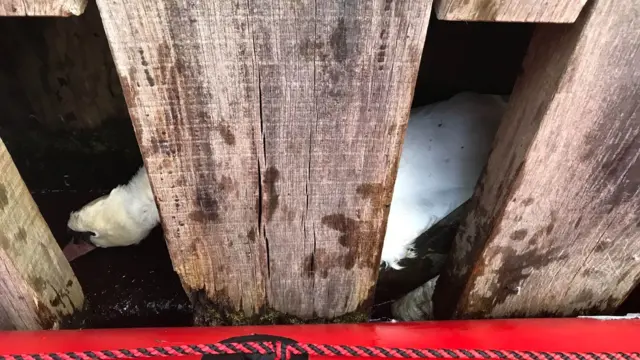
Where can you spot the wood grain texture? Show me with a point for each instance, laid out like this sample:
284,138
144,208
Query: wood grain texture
550,11
37,284
554,223
42,7
271,131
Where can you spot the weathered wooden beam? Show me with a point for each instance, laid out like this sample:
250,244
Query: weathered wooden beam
550,11
37,285
271,132
553,228
42,7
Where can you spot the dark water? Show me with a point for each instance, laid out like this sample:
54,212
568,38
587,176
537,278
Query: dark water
131,286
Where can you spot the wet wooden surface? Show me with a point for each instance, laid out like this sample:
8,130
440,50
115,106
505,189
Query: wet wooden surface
271,134
554,223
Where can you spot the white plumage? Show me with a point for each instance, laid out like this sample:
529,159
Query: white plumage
124,217
444,151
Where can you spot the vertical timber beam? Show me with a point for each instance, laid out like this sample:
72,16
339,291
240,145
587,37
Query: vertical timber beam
37,286
548,11
271,131
554,223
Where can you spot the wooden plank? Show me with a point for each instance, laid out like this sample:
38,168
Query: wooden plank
42,7
271,131
37,284
550,11
554,223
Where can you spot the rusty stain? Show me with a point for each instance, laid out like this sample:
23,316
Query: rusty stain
4,200
519,235
271,176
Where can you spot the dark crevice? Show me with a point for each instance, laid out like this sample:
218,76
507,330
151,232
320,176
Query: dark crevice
262,224
311,133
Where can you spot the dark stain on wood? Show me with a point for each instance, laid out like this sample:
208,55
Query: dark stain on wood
160,146
225,132
183,82
69,283
38,283
251,235
149,78
577,223
21,235
4,200
143,61
519,235
602,246
515,269
528,201
308,266
198,216
324,273
376,193
338,41
307,49
487,10
207,202
46,319
356,236
343,224
225,184
271,176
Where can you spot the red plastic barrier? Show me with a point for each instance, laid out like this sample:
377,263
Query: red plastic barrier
563,335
